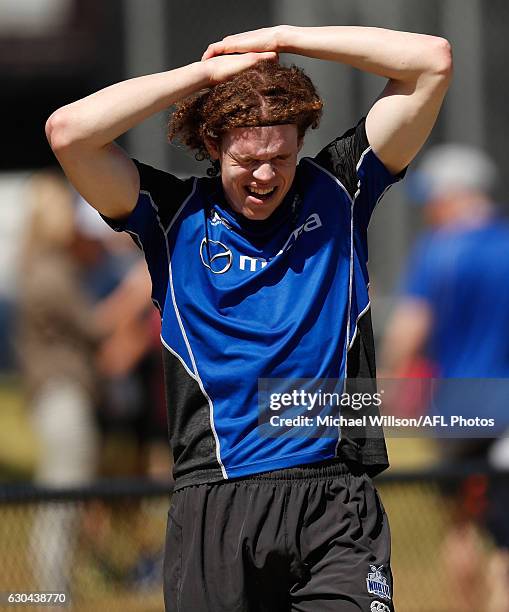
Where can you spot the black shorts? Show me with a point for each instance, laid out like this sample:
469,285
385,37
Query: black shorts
307,539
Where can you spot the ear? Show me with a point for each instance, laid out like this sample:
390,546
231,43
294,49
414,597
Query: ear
212,148
300,144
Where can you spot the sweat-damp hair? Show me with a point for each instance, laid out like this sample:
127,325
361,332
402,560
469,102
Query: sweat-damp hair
266,94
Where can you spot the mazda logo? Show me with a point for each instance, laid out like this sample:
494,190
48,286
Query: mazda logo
215,256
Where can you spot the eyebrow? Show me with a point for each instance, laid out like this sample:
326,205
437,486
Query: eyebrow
241,157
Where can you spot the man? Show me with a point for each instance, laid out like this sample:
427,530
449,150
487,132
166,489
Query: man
453,310
259,274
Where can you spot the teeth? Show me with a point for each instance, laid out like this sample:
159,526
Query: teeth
261,191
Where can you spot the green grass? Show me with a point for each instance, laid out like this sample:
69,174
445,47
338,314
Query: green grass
18,444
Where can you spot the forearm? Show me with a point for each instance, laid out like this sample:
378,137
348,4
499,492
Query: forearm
387,53
418,68
103,116
82,134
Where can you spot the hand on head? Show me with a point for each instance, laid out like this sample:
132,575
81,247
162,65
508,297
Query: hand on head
257,41
224,67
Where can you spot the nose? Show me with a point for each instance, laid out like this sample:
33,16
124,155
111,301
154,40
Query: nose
264,172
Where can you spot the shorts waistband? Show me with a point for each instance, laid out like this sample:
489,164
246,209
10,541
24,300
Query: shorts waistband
322,469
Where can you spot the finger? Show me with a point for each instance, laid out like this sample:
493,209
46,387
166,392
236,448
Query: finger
209,52
236,43
213,50
270,55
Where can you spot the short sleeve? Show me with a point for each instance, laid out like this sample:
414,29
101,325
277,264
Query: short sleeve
160,199
351,160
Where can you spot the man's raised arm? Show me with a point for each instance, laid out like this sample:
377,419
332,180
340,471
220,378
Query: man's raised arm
82,134
418,67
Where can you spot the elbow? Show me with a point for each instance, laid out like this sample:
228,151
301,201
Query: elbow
441,58
59,130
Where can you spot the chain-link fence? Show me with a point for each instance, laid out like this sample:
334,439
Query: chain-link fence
101,545
447,531
104,544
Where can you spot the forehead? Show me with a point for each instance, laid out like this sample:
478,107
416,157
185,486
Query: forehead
261,140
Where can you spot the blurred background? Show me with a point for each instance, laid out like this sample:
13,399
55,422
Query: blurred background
84,464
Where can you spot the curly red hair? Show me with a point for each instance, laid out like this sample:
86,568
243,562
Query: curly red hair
265,94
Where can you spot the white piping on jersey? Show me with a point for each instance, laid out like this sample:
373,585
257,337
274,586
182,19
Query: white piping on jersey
168,347
350,288
361,159
363,312
156,302
352,204
359,317
367,286
334,178
179,319
349,342
156,209
382,195
350,279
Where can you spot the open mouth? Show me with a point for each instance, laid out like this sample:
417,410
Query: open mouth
261,194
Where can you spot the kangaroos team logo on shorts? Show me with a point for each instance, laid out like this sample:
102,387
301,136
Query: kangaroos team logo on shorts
378,606
377,583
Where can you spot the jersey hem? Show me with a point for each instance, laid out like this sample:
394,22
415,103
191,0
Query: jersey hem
373,465
280,463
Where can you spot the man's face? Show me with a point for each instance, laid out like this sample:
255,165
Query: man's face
257,167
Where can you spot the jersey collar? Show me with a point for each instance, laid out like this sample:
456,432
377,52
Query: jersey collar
285,214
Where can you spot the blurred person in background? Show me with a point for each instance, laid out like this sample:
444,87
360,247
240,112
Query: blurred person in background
7,319
131,413
57,342
130,410
131,330
130,358
87,343
454,311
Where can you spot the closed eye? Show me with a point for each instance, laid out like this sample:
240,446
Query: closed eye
247,161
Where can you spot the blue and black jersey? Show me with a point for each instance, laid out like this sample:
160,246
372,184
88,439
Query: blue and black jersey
244,300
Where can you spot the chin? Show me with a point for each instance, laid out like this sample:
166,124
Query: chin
259,212
257,215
